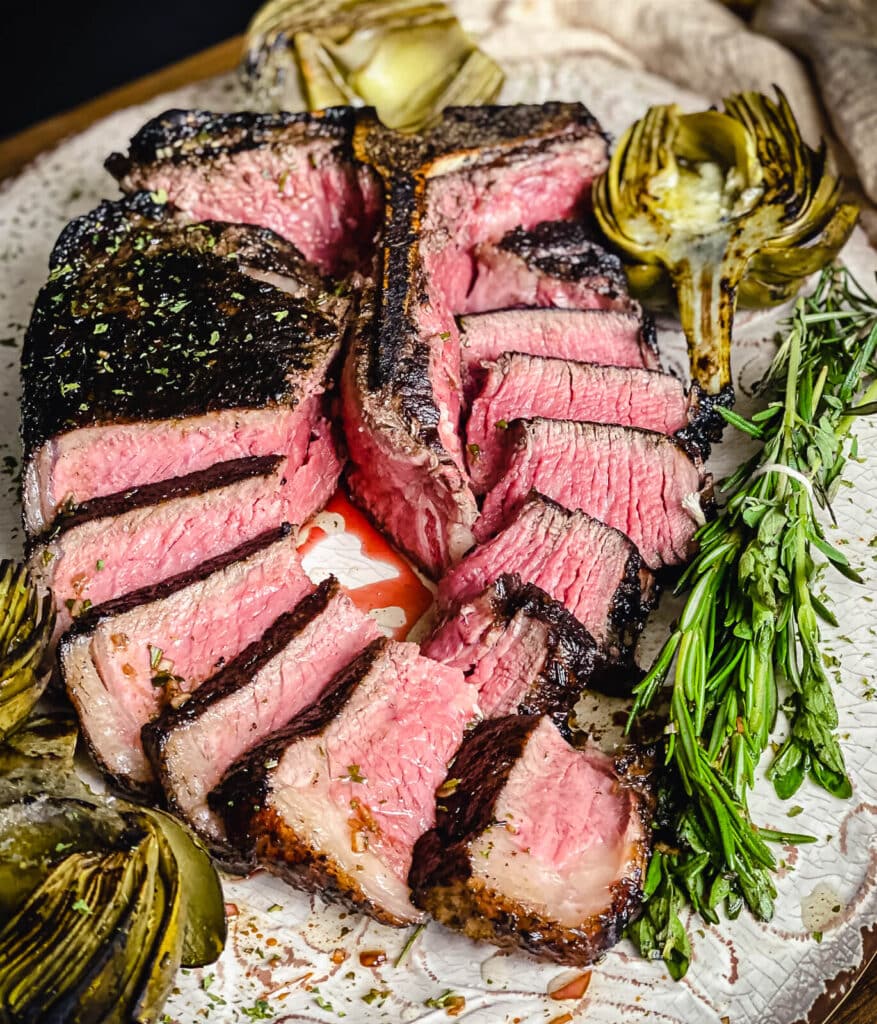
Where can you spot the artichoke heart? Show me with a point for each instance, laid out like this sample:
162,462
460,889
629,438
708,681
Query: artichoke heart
725,207
26,624
408,59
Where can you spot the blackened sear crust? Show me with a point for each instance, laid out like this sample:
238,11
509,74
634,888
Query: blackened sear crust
441,877
234,675
566,250
572,659
114,231
220,474
89,620
489,129
242,792
187,135
707,423
148,327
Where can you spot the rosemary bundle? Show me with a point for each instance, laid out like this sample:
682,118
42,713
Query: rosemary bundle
751,625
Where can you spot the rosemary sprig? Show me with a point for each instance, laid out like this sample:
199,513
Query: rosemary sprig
751,622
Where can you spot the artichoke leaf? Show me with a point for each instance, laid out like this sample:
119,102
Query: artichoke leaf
205,922
166,950
47,738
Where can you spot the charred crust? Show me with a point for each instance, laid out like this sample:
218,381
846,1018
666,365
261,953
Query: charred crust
129,325
221,474
566,250
648,334
441,877
247,783
635,597
491,130
241,670
90,620
287,854
184,135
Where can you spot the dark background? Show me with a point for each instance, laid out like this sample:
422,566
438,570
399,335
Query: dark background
56,56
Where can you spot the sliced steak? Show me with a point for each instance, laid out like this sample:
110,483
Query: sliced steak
520,386
467,181
595,571
122,543
158,349
647,485
536,845
293,173
552,263
263,689
524,651
125,660
584,335
336,802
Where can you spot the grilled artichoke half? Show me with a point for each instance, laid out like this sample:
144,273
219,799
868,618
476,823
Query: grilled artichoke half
408,59
26,624
726,205
100,901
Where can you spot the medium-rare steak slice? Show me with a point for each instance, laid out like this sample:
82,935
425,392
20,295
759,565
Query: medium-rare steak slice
585,335
122,543
469,180
263,689
520,386
158,349
125,660
595,571
337,801
553,263
524,651
647,485
293,173
536,845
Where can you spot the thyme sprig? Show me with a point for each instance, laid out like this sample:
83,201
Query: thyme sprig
750,623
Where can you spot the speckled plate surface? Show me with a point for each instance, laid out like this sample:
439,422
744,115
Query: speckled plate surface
290,957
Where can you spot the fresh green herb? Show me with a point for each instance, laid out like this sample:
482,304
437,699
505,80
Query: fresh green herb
280,315
751,620
82,907
448,1000
260,1010
155,656
354,774
61,847
376,995
409,943
448,787
99,564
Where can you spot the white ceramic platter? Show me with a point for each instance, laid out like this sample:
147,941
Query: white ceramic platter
293,958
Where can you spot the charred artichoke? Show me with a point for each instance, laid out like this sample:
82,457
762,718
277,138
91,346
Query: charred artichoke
724,204
408,59
96,918
26,624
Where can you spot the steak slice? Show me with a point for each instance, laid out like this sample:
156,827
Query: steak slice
119,544
647,485
125,660
467,181
585,335
336,802
525,653
522,386
593,570
263,689
538,845
293,173
158,349
552,263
